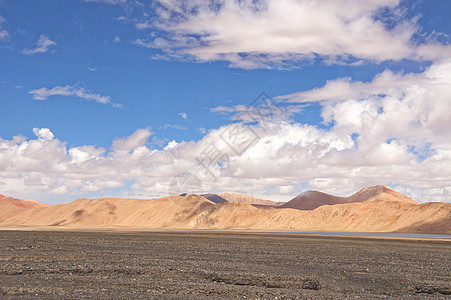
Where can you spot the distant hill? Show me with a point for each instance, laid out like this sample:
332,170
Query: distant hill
214,198
379,192
375,209
230,197
314,199
21,202
12,207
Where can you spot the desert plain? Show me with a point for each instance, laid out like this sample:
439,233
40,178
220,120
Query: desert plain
197,265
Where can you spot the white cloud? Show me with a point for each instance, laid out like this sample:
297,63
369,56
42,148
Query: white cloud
43,45
43,133
391,105
75,91
288,33
262,112
4,34
392,130
284,158
117,39
183,115
137,139
143,25
170,145
85,153
178,127
112,2
385,83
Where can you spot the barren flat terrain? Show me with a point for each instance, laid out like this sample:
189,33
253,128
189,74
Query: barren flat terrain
60,264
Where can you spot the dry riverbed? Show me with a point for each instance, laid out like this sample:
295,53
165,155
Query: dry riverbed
66,264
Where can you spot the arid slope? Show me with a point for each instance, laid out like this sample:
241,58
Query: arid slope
231,197
9,201
314,199
372,209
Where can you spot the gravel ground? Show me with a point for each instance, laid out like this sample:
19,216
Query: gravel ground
196,265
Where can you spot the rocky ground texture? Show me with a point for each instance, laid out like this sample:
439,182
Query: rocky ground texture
196,265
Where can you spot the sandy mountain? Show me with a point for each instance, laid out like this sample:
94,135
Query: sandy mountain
432,217
10,207
314,199
111,212
20,202
231,197
379,192
378,213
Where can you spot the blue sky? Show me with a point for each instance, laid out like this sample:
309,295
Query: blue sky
119,97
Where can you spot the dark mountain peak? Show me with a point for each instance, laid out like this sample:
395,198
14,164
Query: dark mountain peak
214,198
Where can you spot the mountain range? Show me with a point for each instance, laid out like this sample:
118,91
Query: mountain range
372,209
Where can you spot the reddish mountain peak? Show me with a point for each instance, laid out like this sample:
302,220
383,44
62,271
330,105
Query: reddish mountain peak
313,199
21,202
310,200
379,192
313,193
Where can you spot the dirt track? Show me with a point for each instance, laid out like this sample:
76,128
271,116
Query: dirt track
221,265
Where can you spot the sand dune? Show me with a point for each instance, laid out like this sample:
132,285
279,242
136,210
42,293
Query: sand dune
372,209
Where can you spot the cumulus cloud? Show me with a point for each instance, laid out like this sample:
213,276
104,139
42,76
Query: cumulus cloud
395,118
183,115
392,104
43,45
385,83
397,135
68,90
43,133
285,34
